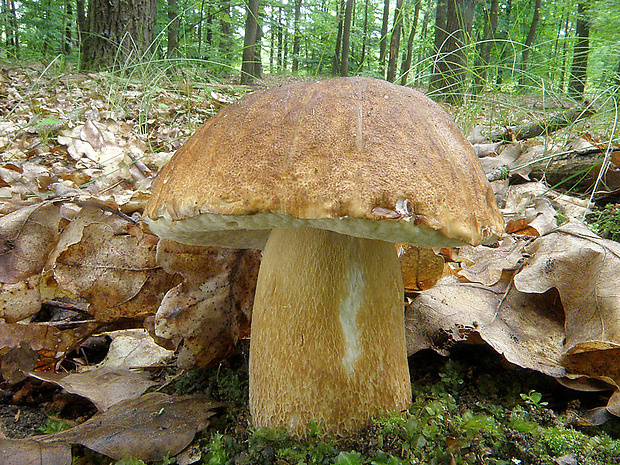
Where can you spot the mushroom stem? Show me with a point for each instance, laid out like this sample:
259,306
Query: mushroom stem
328,333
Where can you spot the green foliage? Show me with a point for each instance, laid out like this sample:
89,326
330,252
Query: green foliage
606,222
534,399
54,425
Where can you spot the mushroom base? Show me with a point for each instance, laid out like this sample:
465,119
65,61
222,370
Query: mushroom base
328,333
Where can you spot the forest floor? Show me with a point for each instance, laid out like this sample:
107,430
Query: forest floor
74,141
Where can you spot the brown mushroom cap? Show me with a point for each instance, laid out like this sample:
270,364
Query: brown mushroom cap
358,156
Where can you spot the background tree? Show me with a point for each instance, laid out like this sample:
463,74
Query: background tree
118,33
528,41
9,24
384,35
483,55
395,41
296,36
173,29
338,48
346,37
406,65
250,67
452,26
579,70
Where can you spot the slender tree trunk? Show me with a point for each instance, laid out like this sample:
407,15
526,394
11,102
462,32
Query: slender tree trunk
346,36
364,34
579,70
280,40
200,26
258,63
448,78
173,29
406,66
565,52
67,38
395,41
285,49
337,51
209,23
384,33
297,36
422,50
528,41
80,13
118,32
441,16
506,20
248,65
483,57
226,39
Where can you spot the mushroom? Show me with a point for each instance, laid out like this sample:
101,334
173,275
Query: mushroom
326,176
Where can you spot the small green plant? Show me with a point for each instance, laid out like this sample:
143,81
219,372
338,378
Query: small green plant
349,458
54,425
606,222
534,399
216,451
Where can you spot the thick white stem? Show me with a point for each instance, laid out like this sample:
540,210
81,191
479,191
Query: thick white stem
328,339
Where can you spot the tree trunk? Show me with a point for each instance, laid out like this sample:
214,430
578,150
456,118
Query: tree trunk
13,30
406,66
579,70
448,78
337,51
422,50
395,41
67,39
528,42
346,36
173,29
503,35
384,33
483,56
118,33
258,63
226,39
364,34
297,36
80,14
248,65
280,27
200,26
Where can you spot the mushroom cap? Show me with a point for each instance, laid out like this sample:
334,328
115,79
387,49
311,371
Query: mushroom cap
358,156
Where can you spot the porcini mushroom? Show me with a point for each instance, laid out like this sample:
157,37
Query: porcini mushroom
329,175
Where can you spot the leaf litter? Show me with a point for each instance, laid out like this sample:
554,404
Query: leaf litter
78,154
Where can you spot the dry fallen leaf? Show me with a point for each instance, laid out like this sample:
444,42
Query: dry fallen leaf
485,265
104,387
148,428
48,342
31,452
211,309
421,267
526,328
27,236
21,300
110,264
134,348
583,268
